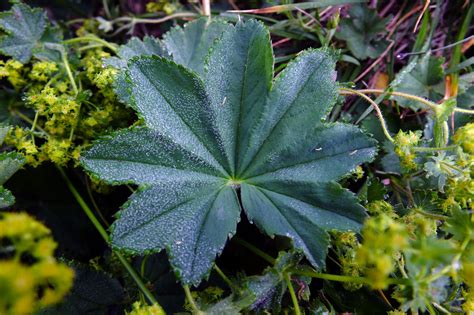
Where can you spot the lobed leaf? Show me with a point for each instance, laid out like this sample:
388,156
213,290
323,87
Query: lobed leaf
26,30
236,131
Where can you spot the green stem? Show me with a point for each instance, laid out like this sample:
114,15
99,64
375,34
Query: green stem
191,301
427,149
255,250
105,236
430,215
339,278
135,20
426,102
294,299
28,120
33,126
346,91
224,277
68,71
111,46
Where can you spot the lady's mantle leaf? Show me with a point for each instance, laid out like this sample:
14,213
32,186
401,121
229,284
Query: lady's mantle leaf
27,30
239,131
361,31
189,46
420,81
10,163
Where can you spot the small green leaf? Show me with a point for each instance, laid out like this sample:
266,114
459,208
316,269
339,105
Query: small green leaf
460,225
361,32
420,81
259,293
27,30
237,134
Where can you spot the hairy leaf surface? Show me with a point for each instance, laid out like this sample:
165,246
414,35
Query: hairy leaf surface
189,45
26,30
232,137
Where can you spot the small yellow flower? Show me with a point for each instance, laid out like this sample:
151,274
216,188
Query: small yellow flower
140,309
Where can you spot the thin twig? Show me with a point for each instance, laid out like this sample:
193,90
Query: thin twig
425,7
206,7
345,91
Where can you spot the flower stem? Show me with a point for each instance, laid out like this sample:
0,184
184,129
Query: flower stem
106,237
294,298
427,149
339,278
254,249
430,215
68,71
426,102
345,91
191,301
89,38
224,277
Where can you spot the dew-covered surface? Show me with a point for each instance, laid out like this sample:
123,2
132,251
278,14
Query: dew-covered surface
268,290
300,98
135,47
25,28
9,163
3,133
144,156
192,220
173,101
238,78
232,127
322,153
189,45
304,214
148,46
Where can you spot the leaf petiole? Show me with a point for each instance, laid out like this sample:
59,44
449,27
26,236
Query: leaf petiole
105,236
294,298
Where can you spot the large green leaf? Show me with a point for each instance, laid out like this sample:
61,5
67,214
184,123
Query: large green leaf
237,138
26,30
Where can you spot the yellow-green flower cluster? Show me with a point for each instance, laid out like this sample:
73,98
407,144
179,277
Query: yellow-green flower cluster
383,239
161,6
464,136
419,225
64,123
142,309
459,187
14,71
345,245
43,70
56,150
25,288
404,148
